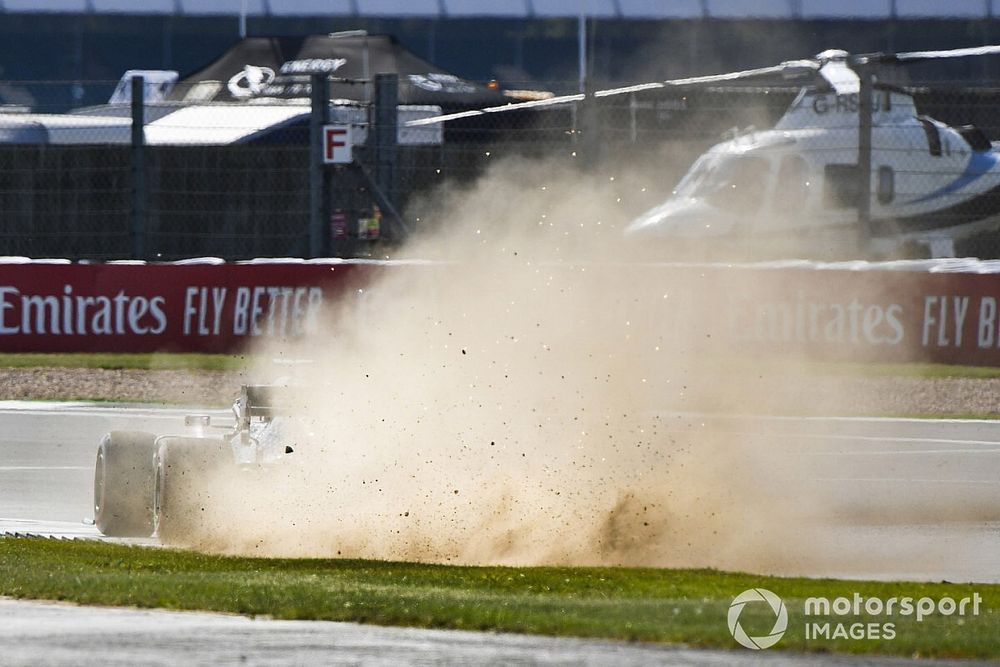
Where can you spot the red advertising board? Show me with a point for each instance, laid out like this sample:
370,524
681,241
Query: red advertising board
164,307
872,314
877,315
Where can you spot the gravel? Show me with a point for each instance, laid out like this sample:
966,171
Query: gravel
821,395
203,388
902,396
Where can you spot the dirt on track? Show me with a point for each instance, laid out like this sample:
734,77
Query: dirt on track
201,388
824,395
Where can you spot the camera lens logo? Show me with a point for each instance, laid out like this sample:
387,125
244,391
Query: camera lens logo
780,618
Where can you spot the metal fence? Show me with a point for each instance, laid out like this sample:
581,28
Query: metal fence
242,181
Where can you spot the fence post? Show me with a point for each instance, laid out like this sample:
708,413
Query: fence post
386,103
317,177
139,192
588,129
865,111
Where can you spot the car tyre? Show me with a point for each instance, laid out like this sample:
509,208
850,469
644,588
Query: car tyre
183,492
123,484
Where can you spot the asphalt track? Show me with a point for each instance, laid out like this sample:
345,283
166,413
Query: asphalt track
39,633
945,474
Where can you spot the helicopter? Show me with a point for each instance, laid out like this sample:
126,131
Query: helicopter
850,161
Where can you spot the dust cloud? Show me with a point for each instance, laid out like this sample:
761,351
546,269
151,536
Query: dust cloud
530,397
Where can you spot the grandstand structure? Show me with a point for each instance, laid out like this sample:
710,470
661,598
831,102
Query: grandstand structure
444,9
54,54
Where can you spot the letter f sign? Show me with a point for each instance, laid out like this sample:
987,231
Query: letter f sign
337,144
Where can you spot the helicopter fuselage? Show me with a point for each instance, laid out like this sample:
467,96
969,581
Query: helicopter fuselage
801,178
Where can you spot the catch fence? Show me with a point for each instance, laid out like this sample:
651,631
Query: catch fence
242,180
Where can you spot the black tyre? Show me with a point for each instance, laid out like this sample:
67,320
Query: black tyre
185,487
123,484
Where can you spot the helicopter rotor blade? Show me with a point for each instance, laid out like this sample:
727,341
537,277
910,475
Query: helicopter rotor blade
836,71
551,101
917,56
789,69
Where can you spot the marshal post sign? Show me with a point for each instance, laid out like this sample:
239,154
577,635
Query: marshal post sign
337,148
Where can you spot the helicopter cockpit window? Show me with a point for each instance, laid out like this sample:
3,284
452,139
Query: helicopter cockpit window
730,183
693,179
933,136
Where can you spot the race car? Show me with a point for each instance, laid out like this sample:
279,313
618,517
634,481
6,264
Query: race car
147,484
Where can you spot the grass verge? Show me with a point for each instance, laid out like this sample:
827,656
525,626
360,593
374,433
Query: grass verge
139,361
908,370
656,605
222,362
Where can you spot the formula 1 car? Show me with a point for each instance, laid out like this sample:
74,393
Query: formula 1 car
147,484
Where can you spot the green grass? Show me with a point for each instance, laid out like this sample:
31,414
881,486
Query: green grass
111,360
195,361
790,364
915,370
656,605
979,416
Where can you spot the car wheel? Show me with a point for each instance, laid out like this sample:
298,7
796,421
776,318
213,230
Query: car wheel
123,484
183,488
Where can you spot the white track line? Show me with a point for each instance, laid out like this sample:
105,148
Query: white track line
12,468
78,408
813,418
907,480
864,438
906,452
